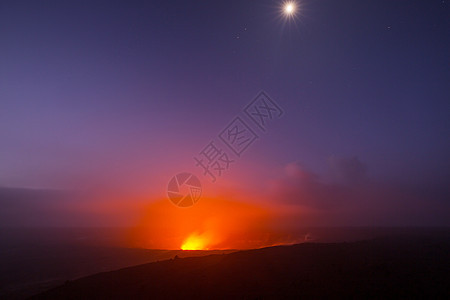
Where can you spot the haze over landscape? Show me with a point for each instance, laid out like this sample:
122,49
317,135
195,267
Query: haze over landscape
133,127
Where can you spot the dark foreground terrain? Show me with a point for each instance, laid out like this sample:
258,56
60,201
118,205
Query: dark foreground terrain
405,267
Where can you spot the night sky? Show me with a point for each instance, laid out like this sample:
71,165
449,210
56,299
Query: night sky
116,97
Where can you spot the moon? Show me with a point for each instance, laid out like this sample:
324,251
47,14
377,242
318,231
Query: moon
289,8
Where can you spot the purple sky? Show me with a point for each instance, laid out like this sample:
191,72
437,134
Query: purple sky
121,96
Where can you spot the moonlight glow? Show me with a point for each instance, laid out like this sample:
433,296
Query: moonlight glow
289,8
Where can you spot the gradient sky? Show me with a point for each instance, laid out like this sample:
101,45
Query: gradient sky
114,95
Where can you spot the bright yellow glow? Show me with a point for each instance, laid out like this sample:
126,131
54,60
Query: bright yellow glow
195,242
289,8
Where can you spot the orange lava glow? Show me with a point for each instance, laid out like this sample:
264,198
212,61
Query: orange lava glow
209,225
196,242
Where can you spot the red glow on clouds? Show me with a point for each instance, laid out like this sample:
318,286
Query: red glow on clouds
210,224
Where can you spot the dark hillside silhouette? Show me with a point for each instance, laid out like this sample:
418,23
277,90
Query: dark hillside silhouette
382,268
